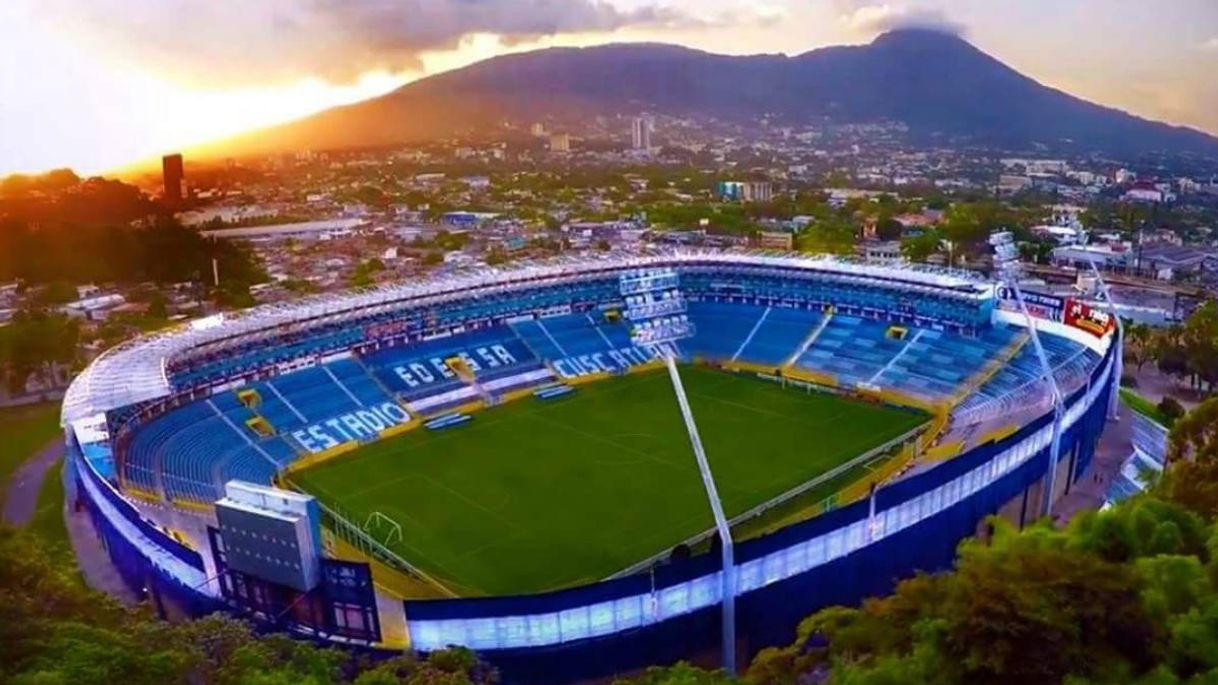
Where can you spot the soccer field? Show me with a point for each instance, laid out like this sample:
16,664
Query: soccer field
536,495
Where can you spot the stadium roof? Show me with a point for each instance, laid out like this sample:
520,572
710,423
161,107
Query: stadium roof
136,371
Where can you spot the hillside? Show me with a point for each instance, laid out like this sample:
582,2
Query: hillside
939,85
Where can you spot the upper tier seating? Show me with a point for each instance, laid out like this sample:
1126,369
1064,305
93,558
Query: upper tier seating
352,377
419,369
778,335
936,365
854,350
721,329
302,398
1019,384
570,336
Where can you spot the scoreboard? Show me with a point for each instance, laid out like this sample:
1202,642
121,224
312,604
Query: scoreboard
271,534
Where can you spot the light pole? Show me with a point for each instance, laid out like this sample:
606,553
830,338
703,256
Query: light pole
728,577
1006,259
1114,401
656,310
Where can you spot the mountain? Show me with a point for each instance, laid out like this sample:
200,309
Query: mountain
936,83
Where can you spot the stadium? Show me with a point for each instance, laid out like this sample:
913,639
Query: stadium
502,459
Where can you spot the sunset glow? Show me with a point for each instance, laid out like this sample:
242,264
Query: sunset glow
96,96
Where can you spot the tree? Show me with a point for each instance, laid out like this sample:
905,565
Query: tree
1195,437
1200,342
56,630
1170,354
156,306
920,248
56,292
37,343
680,674
888,228
1139,343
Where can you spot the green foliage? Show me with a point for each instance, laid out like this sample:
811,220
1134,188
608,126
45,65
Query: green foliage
1140,341
56,292
1125,595
1145,407
56,631
831,235
1171,409
35,342
922,247
60,254
680,674
1190,349
157,308
25,430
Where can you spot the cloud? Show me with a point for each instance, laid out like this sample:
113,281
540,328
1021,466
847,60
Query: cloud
247,41
868,18
1210,45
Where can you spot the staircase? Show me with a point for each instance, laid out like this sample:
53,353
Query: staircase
808,342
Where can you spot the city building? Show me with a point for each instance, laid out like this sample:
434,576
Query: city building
303,229
775,240
560,142
881,251
1118,257
745,191
1009,184
172,174
640,131
1144,191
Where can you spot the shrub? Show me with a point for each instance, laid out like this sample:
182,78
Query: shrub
1171,409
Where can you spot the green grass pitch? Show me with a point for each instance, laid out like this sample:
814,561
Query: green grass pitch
536,495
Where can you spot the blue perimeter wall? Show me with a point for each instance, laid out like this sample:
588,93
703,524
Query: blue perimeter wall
616,626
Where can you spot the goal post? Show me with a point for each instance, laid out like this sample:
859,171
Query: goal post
379,521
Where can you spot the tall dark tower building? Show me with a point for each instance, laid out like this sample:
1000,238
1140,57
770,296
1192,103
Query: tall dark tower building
171,169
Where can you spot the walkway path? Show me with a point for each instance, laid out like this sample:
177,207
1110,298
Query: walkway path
1116,444
21,503
92,560
21,493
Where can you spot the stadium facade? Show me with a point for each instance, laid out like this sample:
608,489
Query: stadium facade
157,427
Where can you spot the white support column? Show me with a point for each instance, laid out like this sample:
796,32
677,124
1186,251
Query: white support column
728,577
1058,409
1118,362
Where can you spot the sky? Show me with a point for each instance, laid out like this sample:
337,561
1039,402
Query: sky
98,84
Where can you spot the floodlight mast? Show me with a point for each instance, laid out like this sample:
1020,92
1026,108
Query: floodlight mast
1006,259
1114,399
656,309
728,577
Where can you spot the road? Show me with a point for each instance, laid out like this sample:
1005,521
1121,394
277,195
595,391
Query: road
21,495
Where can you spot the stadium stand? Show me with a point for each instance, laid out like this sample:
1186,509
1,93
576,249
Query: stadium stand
420,370
577,335
763,309
1019,385
936,364
777,335
854,350
188,448
722,328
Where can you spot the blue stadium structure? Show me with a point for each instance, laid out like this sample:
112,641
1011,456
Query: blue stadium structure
157,427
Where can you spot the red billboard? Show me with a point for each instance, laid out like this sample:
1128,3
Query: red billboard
1083,316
